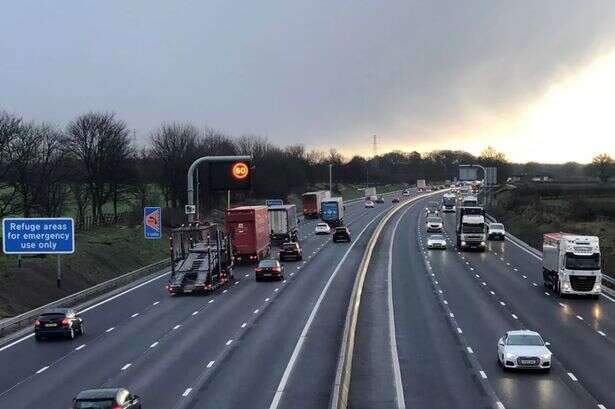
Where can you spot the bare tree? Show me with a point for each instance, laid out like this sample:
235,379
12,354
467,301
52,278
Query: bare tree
100,143
174,147
10,126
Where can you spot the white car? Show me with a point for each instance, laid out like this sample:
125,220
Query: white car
406,193
434,224
524,349
369,204
436,241
322,228
496,232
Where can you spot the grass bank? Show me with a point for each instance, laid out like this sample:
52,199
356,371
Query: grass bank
101,254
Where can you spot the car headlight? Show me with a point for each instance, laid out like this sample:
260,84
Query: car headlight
567,286
546,357
509,355
482,243
597,288
463,243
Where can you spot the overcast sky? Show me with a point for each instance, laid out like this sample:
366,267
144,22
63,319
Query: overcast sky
419,74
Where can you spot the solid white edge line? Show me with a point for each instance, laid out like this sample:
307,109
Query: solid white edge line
399,387
293,358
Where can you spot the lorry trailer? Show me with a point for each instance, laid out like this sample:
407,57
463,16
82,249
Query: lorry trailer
201,259
249,230
332,211
571,264
283,222
471,228
311,202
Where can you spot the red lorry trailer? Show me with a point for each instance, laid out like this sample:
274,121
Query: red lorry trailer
249,230
311,202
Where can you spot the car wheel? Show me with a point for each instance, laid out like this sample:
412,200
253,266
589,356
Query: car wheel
38,338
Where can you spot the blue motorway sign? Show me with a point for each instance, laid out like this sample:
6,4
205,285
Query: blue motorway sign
152,222
38,235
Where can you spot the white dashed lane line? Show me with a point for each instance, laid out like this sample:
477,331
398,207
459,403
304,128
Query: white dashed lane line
210,364
154,345
602,333
126,367
470,351
187,392
229,342
571,375
177,326
483,374
80,347
136,314
43,369
110,329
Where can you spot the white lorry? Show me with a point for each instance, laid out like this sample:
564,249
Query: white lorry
421,185
571,264
370,192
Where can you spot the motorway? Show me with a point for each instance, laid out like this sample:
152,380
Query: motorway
429,339
426,337
258,345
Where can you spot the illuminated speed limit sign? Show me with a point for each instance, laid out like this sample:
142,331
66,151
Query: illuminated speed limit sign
240,170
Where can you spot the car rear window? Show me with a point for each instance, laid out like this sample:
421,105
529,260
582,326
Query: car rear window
52,315
95,404
533,340
268,263
322,225
436,237
290,246
496,225
340,229
434,219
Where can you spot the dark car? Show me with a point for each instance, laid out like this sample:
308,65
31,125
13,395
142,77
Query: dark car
379,199
58,321
113,398
341,234
269,268
395,200
291,250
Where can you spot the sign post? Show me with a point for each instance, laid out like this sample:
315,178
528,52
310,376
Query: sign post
152,222
39,235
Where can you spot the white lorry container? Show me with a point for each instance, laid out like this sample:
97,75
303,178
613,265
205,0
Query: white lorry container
571,264
283,222
370,192
421,185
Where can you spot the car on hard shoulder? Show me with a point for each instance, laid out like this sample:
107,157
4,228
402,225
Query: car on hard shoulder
58,322
291,250
369,204
436,241
434,224
380,199
395,199
269,268
496,232
524,349
322,228
110,398
341,233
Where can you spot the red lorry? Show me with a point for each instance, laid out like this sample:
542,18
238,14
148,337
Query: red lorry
249,230
311,202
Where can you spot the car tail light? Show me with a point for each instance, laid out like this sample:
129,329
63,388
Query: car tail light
258,270
276,269
65,321
37,323
116,407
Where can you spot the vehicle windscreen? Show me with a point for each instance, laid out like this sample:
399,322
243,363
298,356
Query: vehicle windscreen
95,404
496,226
434,220
52,316
532,340
576,262
437,237
290,246
473,228
268,263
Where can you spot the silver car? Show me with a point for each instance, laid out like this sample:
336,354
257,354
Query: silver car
524,349
436,241
434,224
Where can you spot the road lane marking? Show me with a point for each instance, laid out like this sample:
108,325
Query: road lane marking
546,293
210,364
459,330
445,302
224,292
210,301
601,333
579,317
43,369
514,316
80,347
256,311
177,326
244,325
500,405
229,342
452,315
266,299
195,313
154,345
571,375
125,367
483,374
136,314
470,351
156,303
110,329
187,392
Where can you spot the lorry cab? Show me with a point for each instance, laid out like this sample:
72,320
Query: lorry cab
572,264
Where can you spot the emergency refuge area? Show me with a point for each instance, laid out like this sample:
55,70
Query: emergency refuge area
26,236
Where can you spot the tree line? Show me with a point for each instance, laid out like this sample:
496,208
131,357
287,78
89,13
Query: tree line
93,163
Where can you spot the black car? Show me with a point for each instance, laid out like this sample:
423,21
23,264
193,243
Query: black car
269,268
341,234
291,250
380,199
113,398
58,321
395,200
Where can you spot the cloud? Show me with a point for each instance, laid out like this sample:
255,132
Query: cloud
417,73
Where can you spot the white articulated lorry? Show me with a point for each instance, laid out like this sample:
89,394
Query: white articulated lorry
571,264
